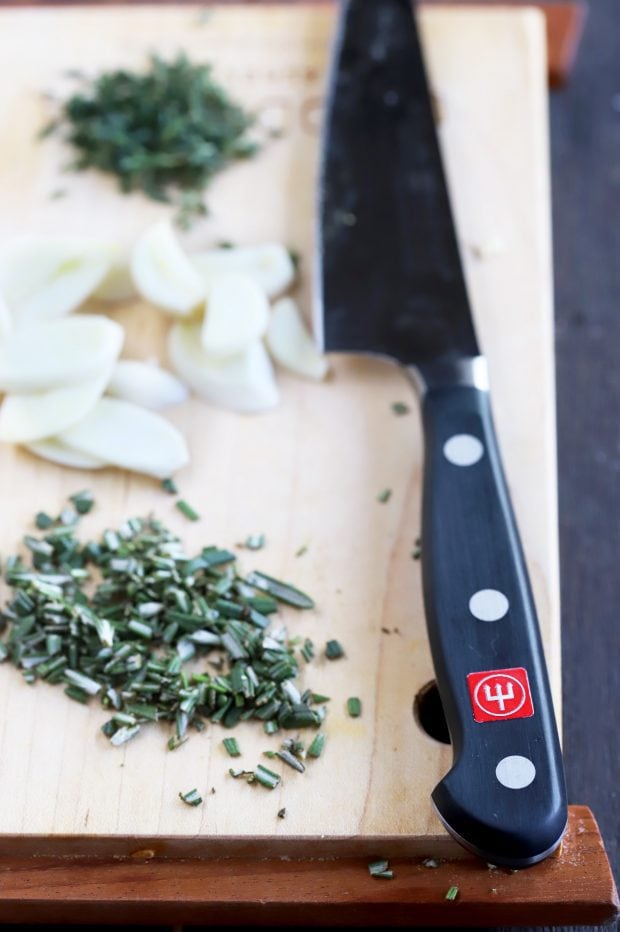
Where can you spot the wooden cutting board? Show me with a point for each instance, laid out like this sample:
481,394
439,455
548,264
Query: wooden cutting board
306,474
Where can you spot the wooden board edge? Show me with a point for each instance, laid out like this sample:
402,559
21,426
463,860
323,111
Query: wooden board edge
574,888
565,22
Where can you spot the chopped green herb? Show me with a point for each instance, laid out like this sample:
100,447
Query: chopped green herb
169,486
290,759
187,510
354,707
316,746
399,408
165,131
452,893
43,521
281,813
231,747
267,777
380,869
281,591
254,541
303,549
120,616
307,650
416,553
318,698
384,496
82,501
334,650
191,798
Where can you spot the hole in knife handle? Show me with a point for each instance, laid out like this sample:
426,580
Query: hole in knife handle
428,713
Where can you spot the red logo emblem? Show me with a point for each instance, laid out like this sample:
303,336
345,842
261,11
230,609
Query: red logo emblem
500,694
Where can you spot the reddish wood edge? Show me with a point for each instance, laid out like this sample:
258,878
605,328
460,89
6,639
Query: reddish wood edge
574,888
565,22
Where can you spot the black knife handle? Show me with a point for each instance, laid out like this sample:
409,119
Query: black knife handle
504,797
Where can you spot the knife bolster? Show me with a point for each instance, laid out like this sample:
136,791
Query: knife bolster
449,372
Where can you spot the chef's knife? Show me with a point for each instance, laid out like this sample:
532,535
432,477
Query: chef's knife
390,282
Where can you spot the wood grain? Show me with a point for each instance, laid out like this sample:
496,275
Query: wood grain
575,887
309,472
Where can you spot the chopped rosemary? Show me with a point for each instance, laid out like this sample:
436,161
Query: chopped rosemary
354,707
281,813
384,496
334,650
165,131
302,550
283,592
43,521
380,869
169,486
266,777
231,746
191,798
255,541
119,617
290,759
452,893
82,501
187,510
316,745
430,862
399,408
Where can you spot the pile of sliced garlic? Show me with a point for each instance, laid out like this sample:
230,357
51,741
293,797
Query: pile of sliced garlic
226,333
68,396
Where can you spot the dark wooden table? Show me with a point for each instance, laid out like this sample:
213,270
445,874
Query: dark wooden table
585,124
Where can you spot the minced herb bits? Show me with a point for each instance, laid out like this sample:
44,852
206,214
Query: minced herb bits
119,617
164,131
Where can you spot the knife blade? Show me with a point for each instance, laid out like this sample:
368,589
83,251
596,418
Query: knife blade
389,281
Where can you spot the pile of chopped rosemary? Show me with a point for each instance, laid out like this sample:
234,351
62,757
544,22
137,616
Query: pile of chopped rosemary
165,131
121,617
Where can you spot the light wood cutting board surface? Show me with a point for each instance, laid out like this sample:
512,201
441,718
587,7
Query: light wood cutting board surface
307,473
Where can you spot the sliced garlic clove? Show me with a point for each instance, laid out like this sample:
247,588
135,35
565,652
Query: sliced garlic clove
163,274
43,278
290,343
116,286
56,451
37,415
237,315
270,265
145,384
245,382
126,435
57,353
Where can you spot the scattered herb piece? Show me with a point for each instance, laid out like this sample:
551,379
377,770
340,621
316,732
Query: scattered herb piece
316,746
303,549
58,193
169,486
281,813
288,758
430,862
192,797
400,408
317,698
416,553
307,650
334,650
354,707
165,131
255,541
231,747
82,501
281,591
452,893
384,496
187,510
380,869
43,520
267,777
